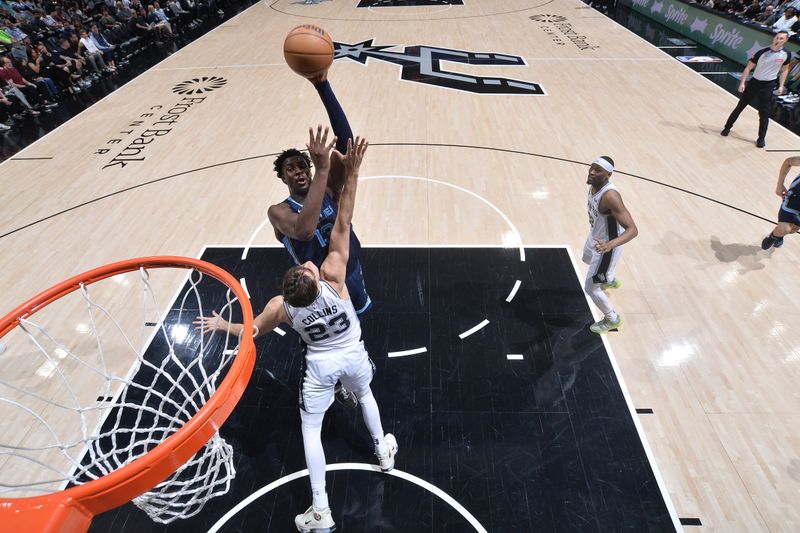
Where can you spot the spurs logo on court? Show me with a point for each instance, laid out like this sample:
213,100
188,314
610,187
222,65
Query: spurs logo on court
206,84
548,18
422,64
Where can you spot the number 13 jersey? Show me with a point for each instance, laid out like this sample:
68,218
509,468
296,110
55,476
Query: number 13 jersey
329,323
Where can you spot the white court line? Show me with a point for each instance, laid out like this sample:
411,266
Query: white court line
351,466
253,65
637,59
514,357
659,478
515,233
406,245
627,395
473,330
513,291
253,236
413,13
243,283
717,73
407,352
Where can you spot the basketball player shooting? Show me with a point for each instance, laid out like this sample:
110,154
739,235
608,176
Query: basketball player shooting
303,221
317,304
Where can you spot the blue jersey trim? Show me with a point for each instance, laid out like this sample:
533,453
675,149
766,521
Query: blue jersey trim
287,243
366,306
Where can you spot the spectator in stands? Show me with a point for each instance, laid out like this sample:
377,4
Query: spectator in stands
58,15
161,25
45,85
750,11
106,48
191,7
59,60
14,80
93,54
70,56
177,9
182,18
106,20
766,17
49,21
160,12
9,107
19,50
43,64
140,24
124,14
786,22
12,28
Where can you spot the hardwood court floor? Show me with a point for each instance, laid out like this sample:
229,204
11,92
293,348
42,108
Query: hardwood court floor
708,342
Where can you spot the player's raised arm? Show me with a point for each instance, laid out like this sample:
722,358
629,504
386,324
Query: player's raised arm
335,265
341,128
272,315
302,225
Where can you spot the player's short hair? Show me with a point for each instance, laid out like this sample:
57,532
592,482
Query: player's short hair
299,288
610,161
286,154
784,31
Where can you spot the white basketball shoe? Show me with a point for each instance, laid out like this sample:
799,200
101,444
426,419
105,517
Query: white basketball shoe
387,461
313,520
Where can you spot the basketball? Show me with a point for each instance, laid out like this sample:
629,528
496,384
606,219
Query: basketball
308,50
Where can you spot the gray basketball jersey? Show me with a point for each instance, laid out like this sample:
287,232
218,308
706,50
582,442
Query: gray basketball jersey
604,227
329,323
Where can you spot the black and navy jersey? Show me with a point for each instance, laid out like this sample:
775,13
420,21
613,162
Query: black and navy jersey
790,207
316,250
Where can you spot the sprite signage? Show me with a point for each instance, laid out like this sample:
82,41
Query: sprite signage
726,37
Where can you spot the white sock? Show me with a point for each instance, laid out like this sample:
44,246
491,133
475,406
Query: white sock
380,445
599,297
311,425
319,496
372,419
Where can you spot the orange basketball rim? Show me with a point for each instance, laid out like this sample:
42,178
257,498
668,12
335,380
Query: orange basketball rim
72,510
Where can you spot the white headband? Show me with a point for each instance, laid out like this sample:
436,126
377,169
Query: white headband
604,164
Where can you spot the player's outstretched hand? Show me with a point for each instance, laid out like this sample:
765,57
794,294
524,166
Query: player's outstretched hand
318,147
351,161
211,323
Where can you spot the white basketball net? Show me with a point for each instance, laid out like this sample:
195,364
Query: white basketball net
81,409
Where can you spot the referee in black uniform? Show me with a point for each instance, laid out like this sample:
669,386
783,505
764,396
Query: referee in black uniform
769,64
